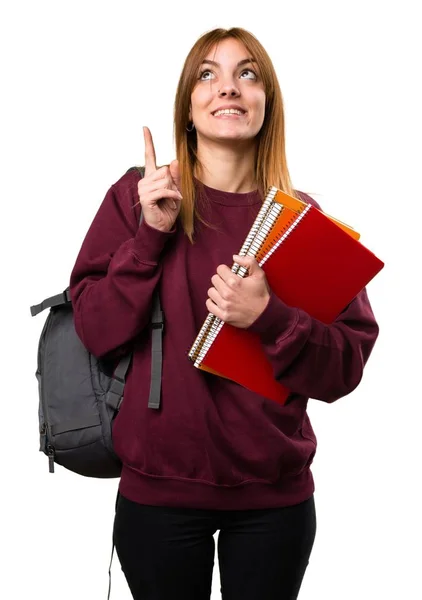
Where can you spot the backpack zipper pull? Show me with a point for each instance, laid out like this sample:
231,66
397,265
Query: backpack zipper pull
50,454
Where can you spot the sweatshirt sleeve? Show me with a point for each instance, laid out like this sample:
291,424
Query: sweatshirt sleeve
311,358
116,272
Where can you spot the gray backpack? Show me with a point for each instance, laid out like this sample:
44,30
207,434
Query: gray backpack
80,395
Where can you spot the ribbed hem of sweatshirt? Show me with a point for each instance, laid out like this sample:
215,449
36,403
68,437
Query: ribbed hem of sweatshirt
277,320
164,491
149,242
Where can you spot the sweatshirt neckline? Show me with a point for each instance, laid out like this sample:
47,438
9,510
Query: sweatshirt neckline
230,198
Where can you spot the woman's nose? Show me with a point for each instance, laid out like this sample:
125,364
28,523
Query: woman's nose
228,89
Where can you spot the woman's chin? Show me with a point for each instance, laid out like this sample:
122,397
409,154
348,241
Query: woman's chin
229,136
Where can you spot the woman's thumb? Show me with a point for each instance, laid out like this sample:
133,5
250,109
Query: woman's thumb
248,262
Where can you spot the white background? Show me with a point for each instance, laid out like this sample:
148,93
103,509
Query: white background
79,80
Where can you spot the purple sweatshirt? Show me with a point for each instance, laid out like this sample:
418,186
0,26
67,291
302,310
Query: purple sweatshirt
213,444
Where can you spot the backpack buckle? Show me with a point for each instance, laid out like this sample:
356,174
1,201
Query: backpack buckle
115,393
57,300
157,321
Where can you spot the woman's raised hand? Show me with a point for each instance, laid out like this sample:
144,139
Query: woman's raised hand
158,190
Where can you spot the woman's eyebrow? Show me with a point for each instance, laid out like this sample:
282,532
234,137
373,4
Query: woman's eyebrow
239,64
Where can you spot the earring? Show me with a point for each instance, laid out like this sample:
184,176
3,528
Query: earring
191,129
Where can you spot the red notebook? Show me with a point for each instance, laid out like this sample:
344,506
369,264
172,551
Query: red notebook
312,264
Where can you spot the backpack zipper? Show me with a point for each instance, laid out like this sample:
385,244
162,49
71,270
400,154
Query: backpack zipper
40,369
49,448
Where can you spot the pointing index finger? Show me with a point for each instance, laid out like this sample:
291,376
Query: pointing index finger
150,158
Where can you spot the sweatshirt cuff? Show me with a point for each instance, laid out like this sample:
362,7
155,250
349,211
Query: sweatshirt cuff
276,321
149,242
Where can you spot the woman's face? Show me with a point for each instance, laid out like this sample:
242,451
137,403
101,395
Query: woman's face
228,79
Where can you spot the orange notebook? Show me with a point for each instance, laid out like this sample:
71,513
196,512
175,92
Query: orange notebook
312,262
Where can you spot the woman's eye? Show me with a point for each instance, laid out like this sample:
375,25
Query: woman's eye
204,73
252,74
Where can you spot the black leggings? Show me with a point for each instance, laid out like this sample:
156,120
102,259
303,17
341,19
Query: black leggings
168,553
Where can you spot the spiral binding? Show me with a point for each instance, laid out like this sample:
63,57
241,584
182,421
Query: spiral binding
257,224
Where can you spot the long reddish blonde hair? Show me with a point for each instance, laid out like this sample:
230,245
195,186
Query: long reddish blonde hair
271,164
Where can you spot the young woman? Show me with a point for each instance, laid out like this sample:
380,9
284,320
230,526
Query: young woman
215,456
